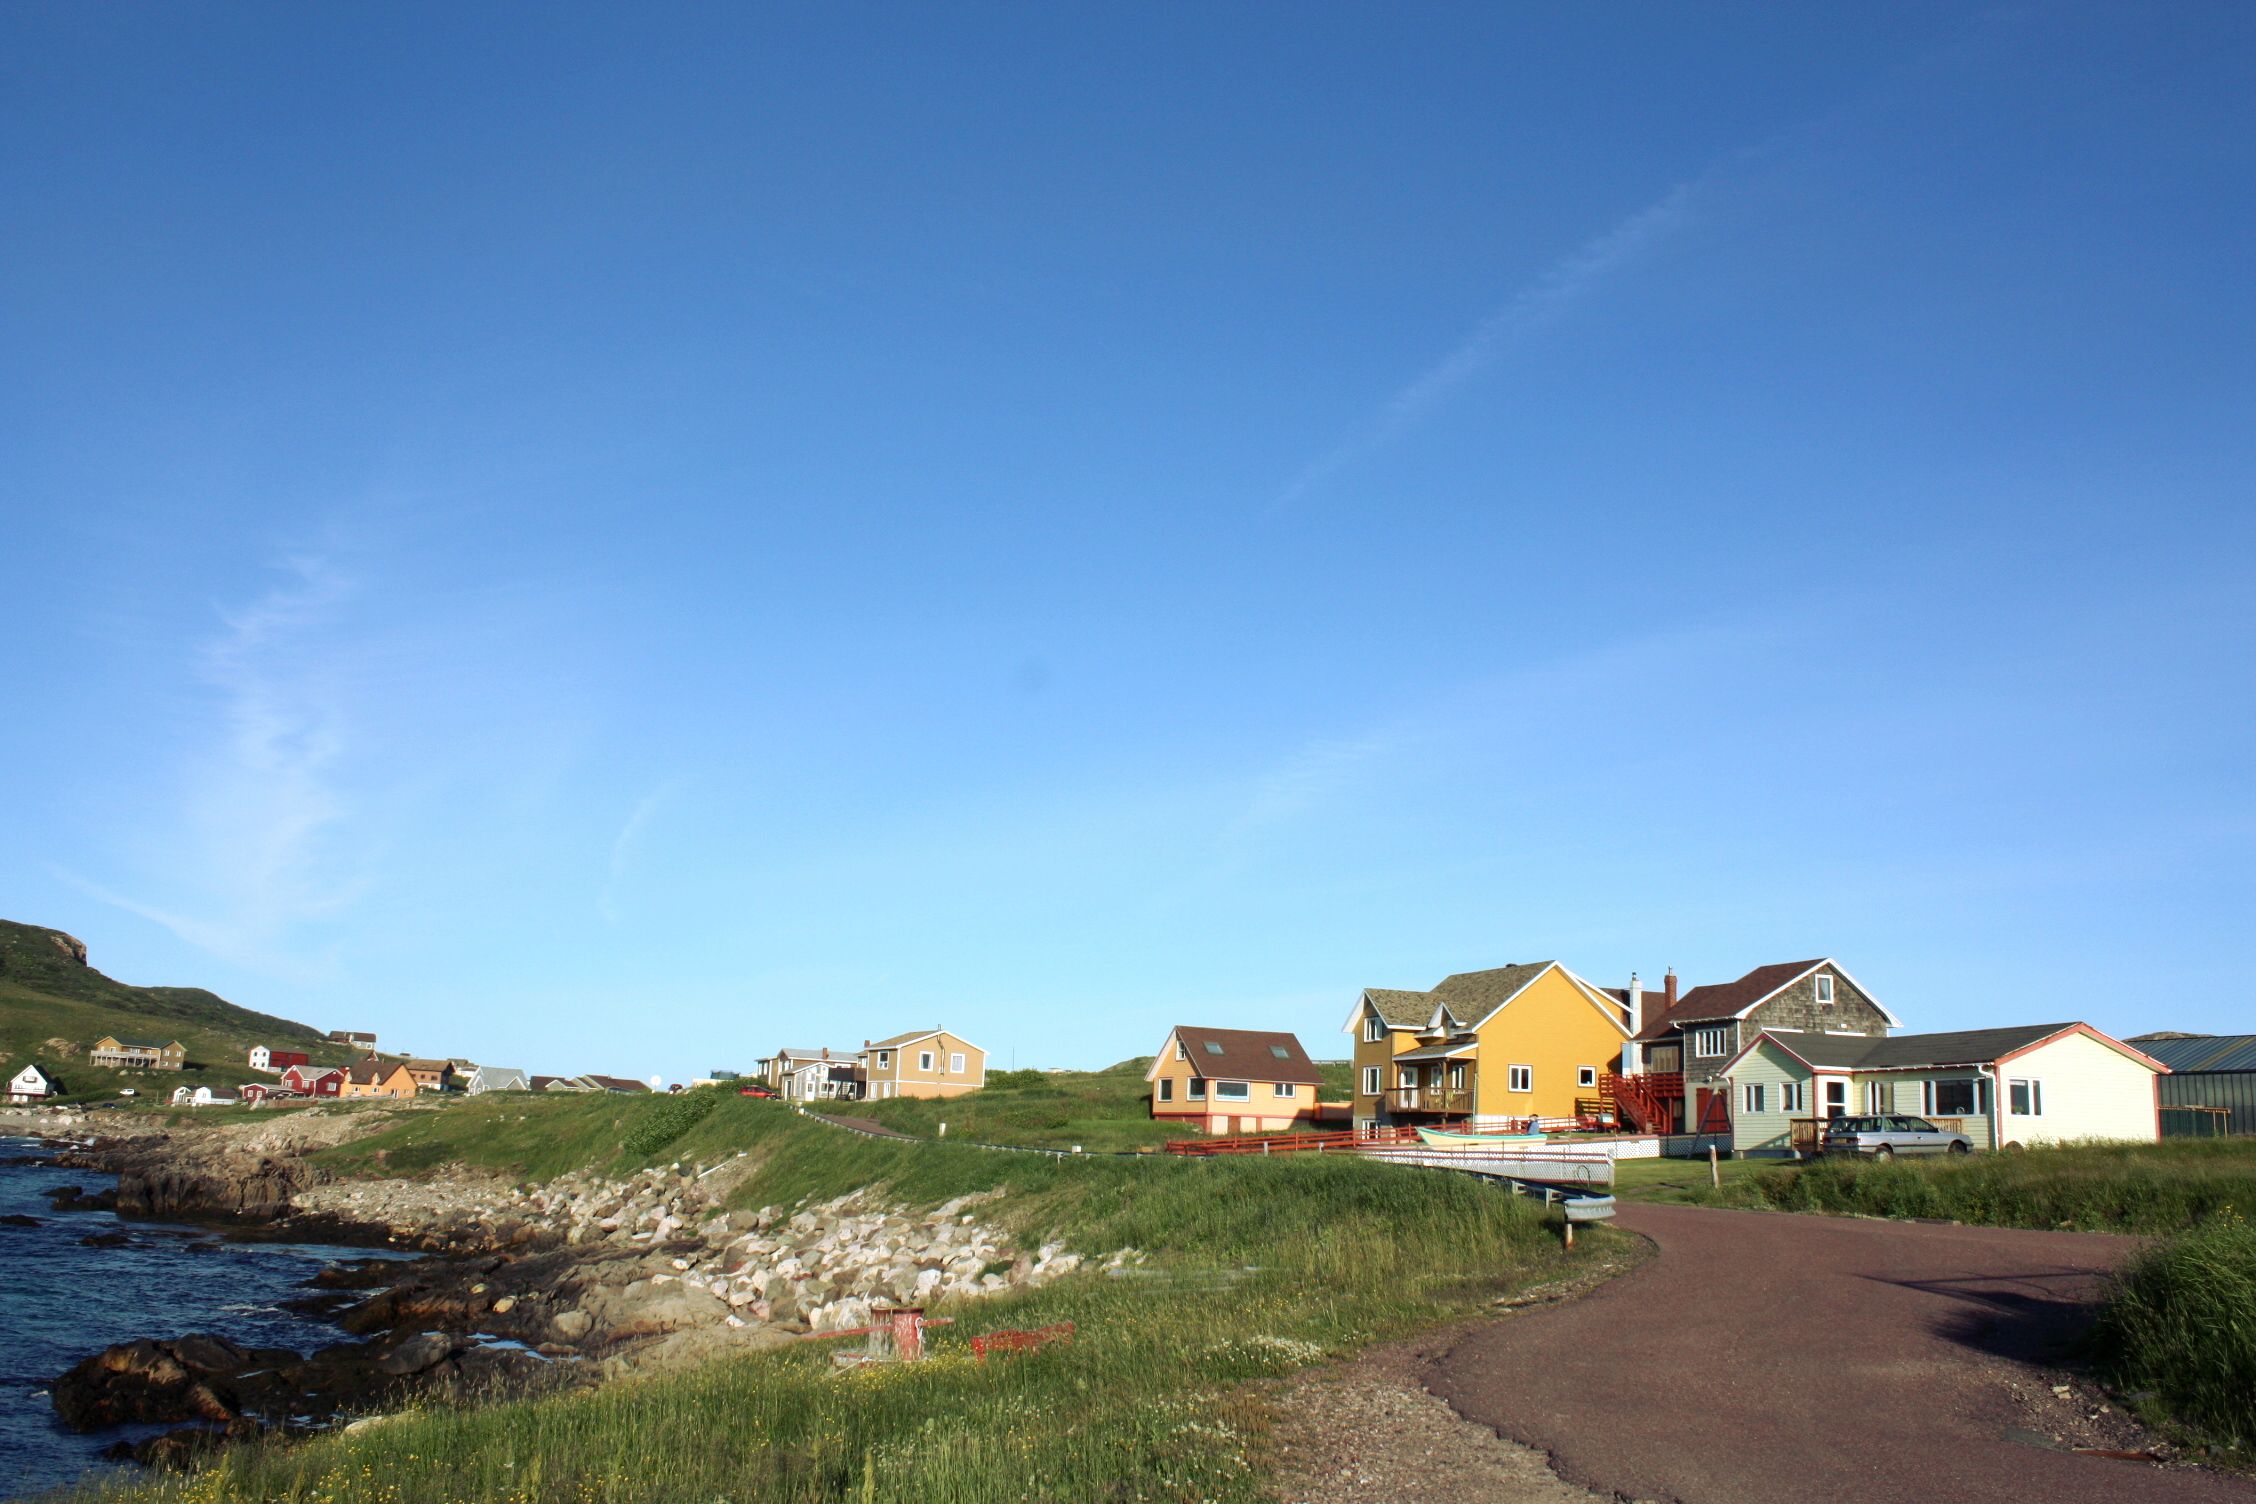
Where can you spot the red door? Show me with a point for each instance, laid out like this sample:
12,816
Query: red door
1713,1111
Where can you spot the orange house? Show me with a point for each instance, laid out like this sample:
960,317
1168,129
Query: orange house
1233,1081
378,1078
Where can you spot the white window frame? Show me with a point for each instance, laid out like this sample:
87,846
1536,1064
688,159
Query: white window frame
1824,991
1586,1075
1370,1080
1374,1029
1285,1089
1223,1093
1180,1052
1793,1096
1875,1094
924,1060
1405,1078
1519,1078
2030,1090
1456,1075
1167,1088
885,1060
955,1062
1754,1096
1702,1039
1196,1091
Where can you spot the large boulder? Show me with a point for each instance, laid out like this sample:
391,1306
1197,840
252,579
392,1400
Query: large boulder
425,1350
647,1308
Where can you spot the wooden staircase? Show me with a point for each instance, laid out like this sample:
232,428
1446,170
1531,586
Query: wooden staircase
1647,1103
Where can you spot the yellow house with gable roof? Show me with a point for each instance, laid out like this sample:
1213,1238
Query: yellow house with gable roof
1484,1048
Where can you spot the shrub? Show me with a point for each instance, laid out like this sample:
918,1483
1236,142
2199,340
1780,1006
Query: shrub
2180,1321
669,1119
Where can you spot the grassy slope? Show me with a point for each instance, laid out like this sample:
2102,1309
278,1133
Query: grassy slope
1102,1111
1149,1401
48,994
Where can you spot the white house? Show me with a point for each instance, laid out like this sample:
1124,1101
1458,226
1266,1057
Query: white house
31,1084
2032,1084
200,1096
499,1078
815,1075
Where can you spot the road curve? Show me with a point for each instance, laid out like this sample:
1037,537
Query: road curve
1774,1359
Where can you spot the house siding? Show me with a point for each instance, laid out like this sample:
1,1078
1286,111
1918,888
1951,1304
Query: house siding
2090,1092
2233,1090
1771,1129
1797,1007
1553,1027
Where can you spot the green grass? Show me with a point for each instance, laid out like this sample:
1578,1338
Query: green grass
1105,1111
1686,1180
2180,1324
2129,1188
1150,1401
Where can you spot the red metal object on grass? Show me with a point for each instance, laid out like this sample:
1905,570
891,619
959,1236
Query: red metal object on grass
1021,1342
903,1324
1296,1143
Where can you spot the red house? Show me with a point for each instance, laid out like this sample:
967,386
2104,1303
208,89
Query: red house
312,1080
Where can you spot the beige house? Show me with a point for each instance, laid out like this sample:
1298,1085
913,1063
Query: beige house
929,1063
142,1053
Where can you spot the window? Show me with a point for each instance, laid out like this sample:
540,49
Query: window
1792,1097
1370,1080
1519,1078
955,1063
1754,1096
1286,1089
924,1060
1709,1043
1951,1099
1280,1052
1374,1029
1406,1078
1879,1097
1197,1092
1180,1052
1586,1075
1824,991
1457,1076
885,1060
1213,1048
2024,1099
1233,1091
1167,1088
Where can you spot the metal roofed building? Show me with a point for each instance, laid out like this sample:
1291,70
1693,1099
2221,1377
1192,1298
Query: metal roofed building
2215,1071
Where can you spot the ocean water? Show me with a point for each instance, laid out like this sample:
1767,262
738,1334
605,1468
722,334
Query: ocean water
60,1301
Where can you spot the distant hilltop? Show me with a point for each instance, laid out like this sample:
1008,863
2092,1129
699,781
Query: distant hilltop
54,1006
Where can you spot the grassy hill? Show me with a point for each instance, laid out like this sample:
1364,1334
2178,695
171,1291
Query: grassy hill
53,1006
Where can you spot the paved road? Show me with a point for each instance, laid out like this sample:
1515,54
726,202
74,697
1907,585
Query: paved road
1770,1359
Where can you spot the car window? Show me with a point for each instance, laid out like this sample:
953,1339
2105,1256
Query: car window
1920,1125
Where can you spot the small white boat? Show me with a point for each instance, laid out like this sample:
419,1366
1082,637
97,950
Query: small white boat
1440,1137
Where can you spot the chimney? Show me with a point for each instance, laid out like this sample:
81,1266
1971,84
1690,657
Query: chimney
1668,987
1636,1004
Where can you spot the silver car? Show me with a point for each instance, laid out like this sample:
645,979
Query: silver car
1887,1137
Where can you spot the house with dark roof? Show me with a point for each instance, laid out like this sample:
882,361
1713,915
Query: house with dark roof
2003,1088
1233,1081
1490,1049
2211,1088
31,1084
1673,1073
313,1080
820,1075
921,1063
374,1077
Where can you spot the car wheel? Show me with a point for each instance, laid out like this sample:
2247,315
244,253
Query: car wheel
1884,1153
1959,1147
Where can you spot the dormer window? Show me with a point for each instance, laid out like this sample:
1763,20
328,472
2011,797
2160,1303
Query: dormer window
1825,992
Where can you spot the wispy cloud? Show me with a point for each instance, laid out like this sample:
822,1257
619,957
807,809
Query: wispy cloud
262,802
622,845
1542,301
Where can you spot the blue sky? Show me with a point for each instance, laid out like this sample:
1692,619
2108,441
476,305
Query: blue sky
619,538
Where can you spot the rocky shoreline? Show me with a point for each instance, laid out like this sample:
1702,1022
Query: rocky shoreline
526,1290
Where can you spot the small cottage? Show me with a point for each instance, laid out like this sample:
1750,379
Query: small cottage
378,1078
1233,1081
275,1062
31,1084
498,1078
313,1080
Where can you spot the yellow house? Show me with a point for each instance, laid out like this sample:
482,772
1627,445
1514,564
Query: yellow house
928,1063
1488,1048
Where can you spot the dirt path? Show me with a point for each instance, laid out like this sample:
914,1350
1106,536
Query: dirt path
1770,1359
